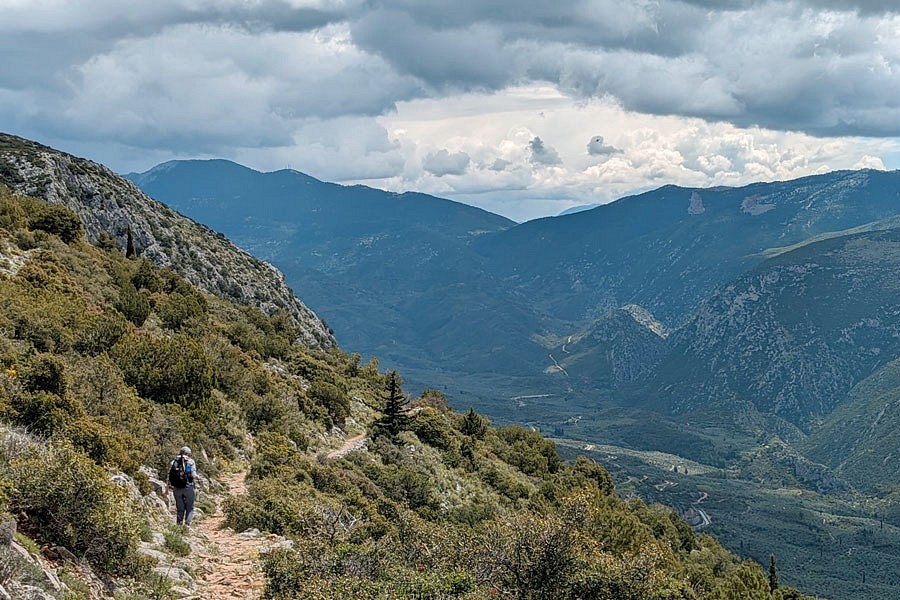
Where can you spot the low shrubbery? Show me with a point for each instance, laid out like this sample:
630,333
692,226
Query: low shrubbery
69,501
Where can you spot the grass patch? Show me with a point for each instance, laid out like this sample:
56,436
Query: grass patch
174,541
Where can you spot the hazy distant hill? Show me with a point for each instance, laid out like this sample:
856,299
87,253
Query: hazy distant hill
668,249
860,438
395,275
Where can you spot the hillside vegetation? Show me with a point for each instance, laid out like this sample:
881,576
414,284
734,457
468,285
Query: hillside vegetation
110,363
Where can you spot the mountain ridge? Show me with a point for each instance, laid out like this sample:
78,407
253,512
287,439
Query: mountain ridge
112,206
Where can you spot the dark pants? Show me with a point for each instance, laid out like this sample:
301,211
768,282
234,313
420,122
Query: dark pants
184,504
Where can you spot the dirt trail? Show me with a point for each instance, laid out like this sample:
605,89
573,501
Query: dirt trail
230,568
354,443
229,563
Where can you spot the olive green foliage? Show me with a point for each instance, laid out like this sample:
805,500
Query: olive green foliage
17,212
70,502
435,429
166,369
57,220
528,450
133,304
174,542
333,399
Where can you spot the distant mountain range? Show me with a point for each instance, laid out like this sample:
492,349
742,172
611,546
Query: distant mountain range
430,285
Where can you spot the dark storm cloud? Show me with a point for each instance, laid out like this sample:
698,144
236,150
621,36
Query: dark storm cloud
781,65
253,73
870,7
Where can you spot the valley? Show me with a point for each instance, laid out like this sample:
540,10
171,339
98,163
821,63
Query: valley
836,545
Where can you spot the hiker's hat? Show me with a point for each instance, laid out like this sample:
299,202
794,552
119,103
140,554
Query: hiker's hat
185,450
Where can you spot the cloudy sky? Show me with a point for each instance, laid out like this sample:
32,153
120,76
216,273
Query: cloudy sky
522,107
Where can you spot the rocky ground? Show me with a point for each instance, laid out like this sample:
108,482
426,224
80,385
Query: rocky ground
206,561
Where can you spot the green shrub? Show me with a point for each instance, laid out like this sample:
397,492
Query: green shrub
133,304
43,412
147,277
58,220
262,412
12,212
101,443
45,373
271,505
433,429
174,542
166,369
70,502
100,333
275,456
527,450
176,309
333,399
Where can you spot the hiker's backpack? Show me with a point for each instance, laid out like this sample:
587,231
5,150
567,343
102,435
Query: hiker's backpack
180,473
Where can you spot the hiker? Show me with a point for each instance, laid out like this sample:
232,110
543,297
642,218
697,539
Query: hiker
181,480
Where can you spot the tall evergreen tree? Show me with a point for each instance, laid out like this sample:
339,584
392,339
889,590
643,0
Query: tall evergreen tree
773,574
130,251
474,424
395,417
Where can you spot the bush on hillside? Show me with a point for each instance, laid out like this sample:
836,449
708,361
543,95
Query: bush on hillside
133,304
166,369
70,502
179,308
147,277
58,220
100,333
332,399
529,451
434,429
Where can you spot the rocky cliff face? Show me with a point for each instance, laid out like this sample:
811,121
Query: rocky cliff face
620,347
112,205
793,336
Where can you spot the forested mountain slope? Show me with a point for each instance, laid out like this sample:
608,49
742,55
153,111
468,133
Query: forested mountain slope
393,273
791,337
434,286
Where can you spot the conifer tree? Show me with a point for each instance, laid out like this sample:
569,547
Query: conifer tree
395,417
474,424
130,251
773,574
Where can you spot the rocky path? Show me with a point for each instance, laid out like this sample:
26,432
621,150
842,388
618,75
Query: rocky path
230,563
351,444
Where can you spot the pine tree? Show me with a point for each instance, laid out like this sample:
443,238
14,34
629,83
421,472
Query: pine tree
130,251
773,574
395,417
474,424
